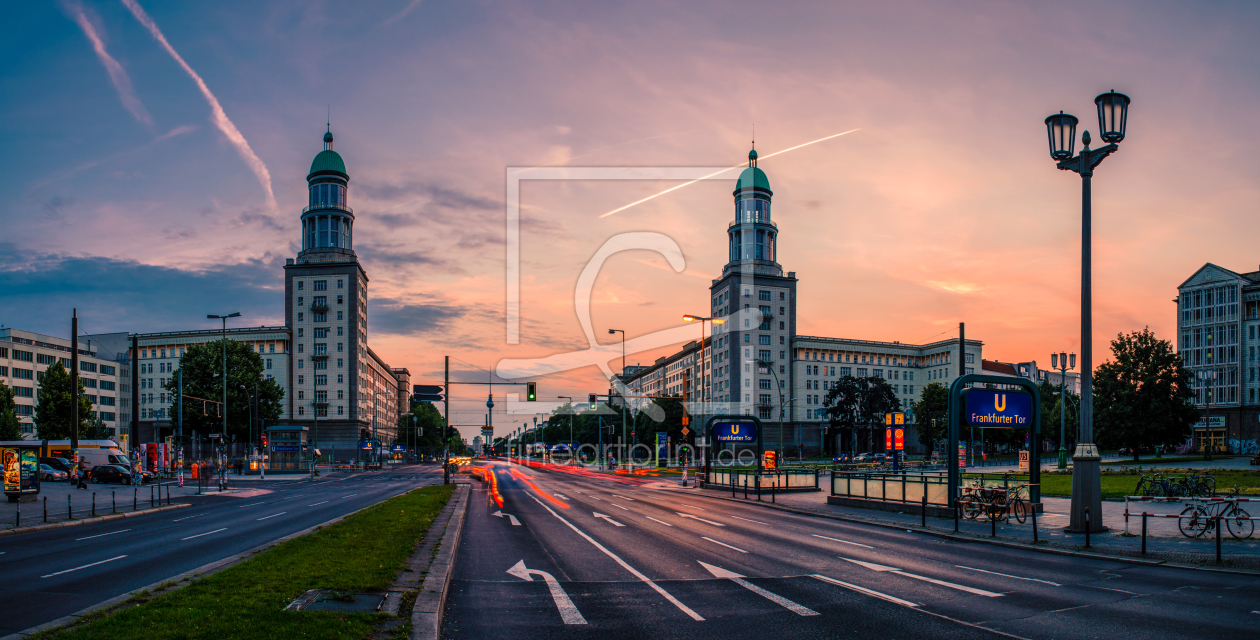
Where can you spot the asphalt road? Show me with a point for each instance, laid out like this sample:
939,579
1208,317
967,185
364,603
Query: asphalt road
49,574
632,559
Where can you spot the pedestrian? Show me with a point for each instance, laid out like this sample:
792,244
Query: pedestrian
83,479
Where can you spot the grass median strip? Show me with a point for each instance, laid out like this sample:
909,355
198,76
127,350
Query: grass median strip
362,553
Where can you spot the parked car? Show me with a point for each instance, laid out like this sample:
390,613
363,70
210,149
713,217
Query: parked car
49,473
881,457
863,457
107,473
842,458
60,464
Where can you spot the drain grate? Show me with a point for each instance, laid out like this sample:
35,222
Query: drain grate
326,600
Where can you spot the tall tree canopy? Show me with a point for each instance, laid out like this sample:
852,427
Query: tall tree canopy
202,365
932,405
52,412
10,426
1144,398
859,402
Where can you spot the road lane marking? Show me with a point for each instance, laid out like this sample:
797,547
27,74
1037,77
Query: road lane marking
618,506
500,514
623,497
568,612
635,572
602,516
719,572
101,535
274,515
844,541
747,520
188,517
203,534
869,592
83,567
951,585
1007,575
688,515
723,544
254,504
349,496
317,504
683,504
660,521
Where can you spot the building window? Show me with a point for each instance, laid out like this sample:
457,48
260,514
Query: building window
341,394
299,317
340,363
301,411
763,339
341,410
321,285
301,379
341,284
340,379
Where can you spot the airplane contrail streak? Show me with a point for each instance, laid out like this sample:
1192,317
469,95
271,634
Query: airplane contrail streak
771,155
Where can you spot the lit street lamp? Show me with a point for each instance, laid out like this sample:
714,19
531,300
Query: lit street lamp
622,391
1210,376
234,314
1113,111
700,378
1060,361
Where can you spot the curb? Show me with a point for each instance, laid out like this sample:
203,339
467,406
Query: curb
176,582
426,613
75,523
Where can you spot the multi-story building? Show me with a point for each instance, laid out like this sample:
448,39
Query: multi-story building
156,357
756,363
1218,312
339,386
24,356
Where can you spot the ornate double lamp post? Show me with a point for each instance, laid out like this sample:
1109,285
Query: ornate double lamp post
1060,361
1113,111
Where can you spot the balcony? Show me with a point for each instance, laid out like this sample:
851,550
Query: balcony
320,306
328,207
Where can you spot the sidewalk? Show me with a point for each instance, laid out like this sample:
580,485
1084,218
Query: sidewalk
64,500
1164,540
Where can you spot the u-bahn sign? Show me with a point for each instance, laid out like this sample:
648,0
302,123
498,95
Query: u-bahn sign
998,408
735,432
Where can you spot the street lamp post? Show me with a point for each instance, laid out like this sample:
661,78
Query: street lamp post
1113,110
570,424
234,314
1210,376
622,390
770,366
718,321
1060,361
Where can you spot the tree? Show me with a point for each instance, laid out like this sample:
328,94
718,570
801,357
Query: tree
1144,398
932,405
428,423
202,365
855,402
96,430
52,411
10,427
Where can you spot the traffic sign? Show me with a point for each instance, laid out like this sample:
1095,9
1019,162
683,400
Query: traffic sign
427,392
998,408
1023,460
735,432
685,431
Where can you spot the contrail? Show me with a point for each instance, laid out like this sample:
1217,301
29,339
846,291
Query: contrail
636,202
117,75
218,117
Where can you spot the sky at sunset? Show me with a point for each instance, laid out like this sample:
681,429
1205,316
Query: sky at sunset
157,152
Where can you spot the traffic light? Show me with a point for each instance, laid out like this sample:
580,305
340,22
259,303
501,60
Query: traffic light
686,421
531,391
264,439
427,393
593,401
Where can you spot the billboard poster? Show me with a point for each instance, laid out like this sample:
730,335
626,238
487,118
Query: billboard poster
12,460
899,439
888,439
962,456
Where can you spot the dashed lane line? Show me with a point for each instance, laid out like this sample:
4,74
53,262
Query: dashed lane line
660,521
856,544
203,534
273,515
869,592
317,504
723,544
618,506
747,520
84,566
102,535
1007,575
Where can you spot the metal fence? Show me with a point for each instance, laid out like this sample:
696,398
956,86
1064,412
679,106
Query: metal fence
892,487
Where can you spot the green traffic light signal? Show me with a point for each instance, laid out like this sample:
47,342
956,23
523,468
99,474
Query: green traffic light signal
531,391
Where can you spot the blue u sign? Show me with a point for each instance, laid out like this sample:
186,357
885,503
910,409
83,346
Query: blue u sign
999,408
734,432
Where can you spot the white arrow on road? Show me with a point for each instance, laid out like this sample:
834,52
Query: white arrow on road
688,515
568,612
719,572
515,522
600,515
880,567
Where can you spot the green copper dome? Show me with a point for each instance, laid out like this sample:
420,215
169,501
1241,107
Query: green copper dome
328,160
753,178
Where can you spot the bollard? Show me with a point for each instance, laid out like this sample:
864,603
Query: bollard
93,504
168,495
732,477
774,489
1143,533
957,508
993,520
18,523
1218,539
1034,517
45,508
757,485
135,498
151,505
1086,527
1126,515
69,508
745,487
923,512
113,501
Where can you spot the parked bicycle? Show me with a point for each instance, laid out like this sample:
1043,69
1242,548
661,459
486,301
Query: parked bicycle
1201,518
995,503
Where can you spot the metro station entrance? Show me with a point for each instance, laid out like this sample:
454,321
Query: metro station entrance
1213,438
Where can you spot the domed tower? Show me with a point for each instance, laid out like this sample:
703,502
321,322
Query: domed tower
327,222
752,348
753,236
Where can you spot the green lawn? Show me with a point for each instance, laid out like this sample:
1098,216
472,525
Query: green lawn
1118,486
361,553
